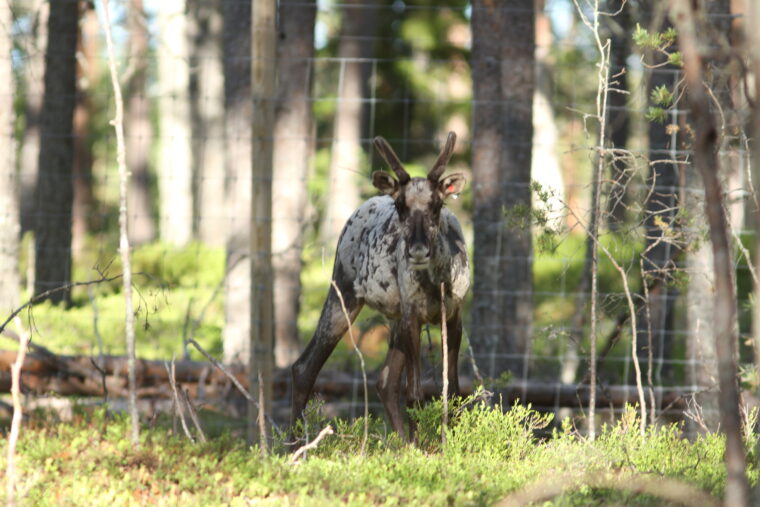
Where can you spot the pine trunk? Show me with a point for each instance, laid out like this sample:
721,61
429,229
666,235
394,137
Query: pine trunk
54,193
138,129
9,215
346,155
175,156
503,86
292,154
237,93
207,113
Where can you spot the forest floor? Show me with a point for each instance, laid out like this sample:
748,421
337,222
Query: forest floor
489,455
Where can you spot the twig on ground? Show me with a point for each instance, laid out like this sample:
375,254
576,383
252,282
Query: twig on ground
230,376
194,416
361,363
327,430
177,402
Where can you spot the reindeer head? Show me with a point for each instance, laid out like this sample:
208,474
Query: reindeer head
418,200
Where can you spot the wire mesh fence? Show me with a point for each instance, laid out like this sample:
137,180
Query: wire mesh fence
403,70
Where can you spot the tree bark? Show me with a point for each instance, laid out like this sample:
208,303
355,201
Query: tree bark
175,155
655,330
503,83
724,307
619,118
9,213
34,73
753,38
138,128
263,69
701,322
346,156
54,193
207,114
237,93
293,130
87,77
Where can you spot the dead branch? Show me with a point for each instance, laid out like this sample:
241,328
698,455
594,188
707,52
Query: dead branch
311,445
44,295
193,415
177,402
361,363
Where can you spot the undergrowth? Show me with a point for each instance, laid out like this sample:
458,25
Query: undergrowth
489,453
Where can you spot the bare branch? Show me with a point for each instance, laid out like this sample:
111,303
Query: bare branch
177,402
311,445
361,363
193,415
44,295
230,376
129,317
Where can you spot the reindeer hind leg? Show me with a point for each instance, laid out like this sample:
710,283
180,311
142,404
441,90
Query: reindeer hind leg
330,329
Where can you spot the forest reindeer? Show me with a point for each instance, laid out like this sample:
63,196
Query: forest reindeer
394,253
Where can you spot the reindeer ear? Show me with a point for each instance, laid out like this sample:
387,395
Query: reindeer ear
451,184
385,183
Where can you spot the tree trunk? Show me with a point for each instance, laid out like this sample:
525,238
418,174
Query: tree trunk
237,93
346,157
175,156
54,192
263,70
701,322
503,84
706,161
139,131
292,154
753,38
619,121
9,215
34,73
87,77
655,329
207,113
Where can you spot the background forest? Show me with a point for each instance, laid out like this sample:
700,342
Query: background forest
591,251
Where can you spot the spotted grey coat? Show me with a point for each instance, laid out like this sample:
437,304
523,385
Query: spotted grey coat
394,253
372,253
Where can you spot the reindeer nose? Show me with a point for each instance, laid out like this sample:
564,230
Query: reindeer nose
420,253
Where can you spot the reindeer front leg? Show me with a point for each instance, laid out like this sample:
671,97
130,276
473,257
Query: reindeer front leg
389,382
453,342
403,351
414,395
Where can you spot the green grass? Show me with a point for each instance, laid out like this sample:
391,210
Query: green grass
172,287
488,454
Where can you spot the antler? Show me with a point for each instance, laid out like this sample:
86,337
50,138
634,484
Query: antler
391,158
443,159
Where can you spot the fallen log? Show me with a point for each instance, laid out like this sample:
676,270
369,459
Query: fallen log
44,374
